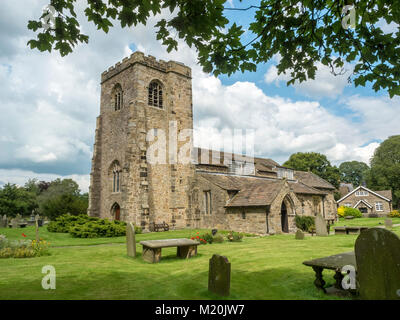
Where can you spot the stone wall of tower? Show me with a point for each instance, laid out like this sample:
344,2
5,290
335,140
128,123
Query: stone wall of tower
149,192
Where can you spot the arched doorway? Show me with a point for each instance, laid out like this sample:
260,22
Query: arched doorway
116,211
284,218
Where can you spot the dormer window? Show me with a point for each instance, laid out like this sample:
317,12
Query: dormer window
285,173
155,96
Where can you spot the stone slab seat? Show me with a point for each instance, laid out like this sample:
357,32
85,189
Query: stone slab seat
349,229
336,263
186,248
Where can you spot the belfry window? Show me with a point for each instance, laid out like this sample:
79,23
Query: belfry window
117,97
155,97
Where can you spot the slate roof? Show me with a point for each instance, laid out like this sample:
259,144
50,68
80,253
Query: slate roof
299,187
260,193
312,180
255,191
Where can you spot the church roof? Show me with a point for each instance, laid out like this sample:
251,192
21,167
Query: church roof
312,180
255,191
260,193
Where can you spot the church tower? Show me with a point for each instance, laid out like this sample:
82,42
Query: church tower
143,134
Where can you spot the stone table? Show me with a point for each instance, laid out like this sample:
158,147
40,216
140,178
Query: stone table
336,263
186,248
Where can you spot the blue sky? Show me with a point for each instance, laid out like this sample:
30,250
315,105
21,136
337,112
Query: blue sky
49,104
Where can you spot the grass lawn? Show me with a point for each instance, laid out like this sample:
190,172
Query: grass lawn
262,268
367,222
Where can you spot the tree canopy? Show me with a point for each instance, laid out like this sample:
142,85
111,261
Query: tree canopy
302,33
14,200
316,163
385,168
353,172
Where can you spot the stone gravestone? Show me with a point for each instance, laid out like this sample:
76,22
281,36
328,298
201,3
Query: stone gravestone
299,235
378,264
320,225
130,240
388,223
4,222
14,223
219,275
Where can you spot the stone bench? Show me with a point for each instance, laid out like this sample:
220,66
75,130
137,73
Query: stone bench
349,229
186,248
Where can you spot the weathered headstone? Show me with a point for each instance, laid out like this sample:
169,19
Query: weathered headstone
378,264
4,222
130,239
14,223
299,235
320,225
18,217
219,275
388,223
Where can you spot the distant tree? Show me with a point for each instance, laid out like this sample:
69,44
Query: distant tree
316,163
353,172
14,200
385,168
61,197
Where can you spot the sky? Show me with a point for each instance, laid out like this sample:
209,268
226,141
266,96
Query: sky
49,103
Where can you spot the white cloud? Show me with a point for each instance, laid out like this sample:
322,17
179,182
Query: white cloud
20,177
49,104
325,83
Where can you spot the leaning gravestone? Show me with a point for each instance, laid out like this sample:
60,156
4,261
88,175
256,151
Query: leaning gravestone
130,240
378,264
388,223
219,275
299,235
320,225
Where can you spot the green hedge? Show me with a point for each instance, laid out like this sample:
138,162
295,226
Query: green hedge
83,226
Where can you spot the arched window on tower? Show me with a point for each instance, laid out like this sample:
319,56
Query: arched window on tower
116,176
117,97
155,97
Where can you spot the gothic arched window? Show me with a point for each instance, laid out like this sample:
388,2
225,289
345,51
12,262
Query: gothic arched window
116,176
117,96
155,94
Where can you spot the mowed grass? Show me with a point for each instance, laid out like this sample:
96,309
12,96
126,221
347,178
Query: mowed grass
261,268
365,222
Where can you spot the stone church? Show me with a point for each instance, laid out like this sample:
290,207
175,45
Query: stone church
140,99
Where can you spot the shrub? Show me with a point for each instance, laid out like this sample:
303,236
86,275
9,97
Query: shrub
305,223
83,226
394,214
348,211
340,211
65,222
234,236
99,228
218,238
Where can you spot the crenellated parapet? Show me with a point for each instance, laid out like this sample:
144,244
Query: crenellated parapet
148,61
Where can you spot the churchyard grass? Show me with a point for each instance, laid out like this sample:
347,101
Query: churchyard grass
262,268
364,222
